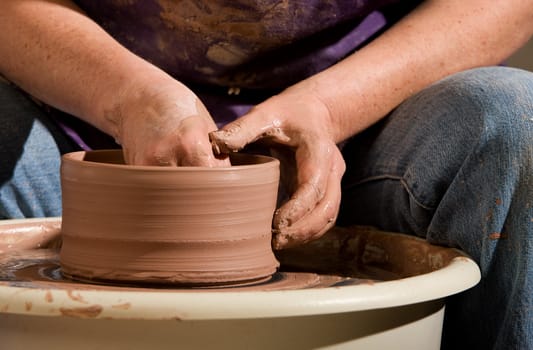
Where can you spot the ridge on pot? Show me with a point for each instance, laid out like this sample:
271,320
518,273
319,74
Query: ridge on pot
169,225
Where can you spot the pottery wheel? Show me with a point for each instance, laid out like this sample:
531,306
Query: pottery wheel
337,273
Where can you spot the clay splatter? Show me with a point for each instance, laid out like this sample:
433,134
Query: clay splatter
76,297
497,235
124,306
82,312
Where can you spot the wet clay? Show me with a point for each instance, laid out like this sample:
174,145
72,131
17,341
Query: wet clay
365,252
30,234
169,225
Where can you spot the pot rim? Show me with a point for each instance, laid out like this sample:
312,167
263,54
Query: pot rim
76,159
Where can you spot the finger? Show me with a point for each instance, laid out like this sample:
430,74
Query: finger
191,149
148,156
200,153
192,145
247,129
319,220
314,160
194,149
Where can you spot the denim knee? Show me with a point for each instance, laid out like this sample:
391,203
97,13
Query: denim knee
442,152
492,147
500,99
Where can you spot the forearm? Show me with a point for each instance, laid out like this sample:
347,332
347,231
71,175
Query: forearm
60,56
439,38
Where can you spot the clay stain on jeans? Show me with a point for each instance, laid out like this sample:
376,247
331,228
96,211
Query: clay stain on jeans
497,235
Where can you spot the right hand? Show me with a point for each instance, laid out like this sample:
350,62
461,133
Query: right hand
164,124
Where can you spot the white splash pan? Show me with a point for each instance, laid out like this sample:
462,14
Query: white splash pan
400,314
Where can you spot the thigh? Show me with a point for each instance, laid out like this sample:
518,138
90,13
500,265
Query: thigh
451,153
30,149
455,164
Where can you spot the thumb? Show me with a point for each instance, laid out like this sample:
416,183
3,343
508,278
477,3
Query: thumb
247,129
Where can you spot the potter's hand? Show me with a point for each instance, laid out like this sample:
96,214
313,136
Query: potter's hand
165,124
297,120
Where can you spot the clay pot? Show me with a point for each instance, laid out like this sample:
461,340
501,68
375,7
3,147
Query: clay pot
179,225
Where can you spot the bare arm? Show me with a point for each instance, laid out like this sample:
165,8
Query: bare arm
437,39
60,56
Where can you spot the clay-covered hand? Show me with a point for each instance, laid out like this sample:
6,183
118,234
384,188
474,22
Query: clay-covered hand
164,124
298,121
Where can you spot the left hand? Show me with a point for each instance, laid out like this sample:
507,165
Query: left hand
298,121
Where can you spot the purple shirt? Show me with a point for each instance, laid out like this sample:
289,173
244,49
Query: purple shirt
259,46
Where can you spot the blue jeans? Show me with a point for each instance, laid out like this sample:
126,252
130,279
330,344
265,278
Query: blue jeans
30,149
453,164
